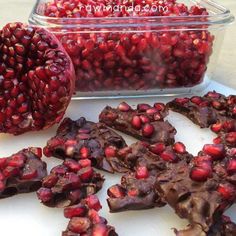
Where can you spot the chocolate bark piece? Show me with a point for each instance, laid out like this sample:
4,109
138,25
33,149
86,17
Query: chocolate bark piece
224,227
68,183
22,172
196,192
85,220
137,189
207,110
84,139
145,123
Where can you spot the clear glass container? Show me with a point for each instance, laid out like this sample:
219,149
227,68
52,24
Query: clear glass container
149,55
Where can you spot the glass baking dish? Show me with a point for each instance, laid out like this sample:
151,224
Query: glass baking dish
151,54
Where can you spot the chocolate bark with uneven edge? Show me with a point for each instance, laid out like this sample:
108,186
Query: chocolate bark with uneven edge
224,227
70,182
85,220
137,189
207,110
196,192
145,123
81,139
22,172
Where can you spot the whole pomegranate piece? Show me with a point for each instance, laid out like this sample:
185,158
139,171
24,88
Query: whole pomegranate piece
36,79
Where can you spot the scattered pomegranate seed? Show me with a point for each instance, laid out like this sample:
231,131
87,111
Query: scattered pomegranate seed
116,192
216,127
124,107
148,130
157,148
217,151
79,224
93,202
169,156
136,122
199,174
142,172
143,107
231,166
84,152
179,147
110,151
227,191
45,194
72,211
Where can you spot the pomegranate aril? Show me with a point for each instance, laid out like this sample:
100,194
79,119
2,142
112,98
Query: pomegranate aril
227,191
199,174
84,152
217,151
231,166
110,151
169,156
157,148
79,225
179,147
116,192
45,194
148,130
136,122
93,202
124,107
142,172
143,107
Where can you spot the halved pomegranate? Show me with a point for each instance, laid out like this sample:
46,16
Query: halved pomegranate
36,79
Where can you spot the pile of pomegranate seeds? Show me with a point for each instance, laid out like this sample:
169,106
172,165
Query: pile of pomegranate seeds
145,123
85,220
81,139
69,183
22,172
36,79
129,60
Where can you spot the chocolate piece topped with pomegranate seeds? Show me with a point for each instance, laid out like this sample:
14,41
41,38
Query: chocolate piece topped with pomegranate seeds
207,110
83,139
70,182
201,190
85,220
145,123
36,79
22,172
224,227
137,189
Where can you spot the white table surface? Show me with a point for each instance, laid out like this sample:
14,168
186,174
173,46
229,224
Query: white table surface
24,215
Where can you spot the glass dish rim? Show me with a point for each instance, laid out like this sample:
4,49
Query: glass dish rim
219,19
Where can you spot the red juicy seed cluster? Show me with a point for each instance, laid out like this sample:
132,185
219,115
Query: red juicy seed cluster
68,183
36,79
85,220
23,166
147,60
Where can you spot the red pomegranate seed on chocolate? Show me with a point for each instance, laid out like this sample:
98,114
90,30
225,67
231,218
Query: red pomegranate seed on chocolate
45,194
116,192
124,107
93,202
136,122
79,225
159,106
72,164
144,119
217,151
231,138
72,211
84,152
157,148
179,147
231,166
216,127
217,140
143,107
110,151
227,191
142,172
169,156
199,174
32,62
151,111
148,130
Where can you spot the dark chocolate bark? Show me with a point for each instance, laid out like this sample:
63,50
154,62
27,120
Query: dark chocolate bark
198,191
85,220
22,172
137,188
70,182
207,110
84,139
224,227
145,123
